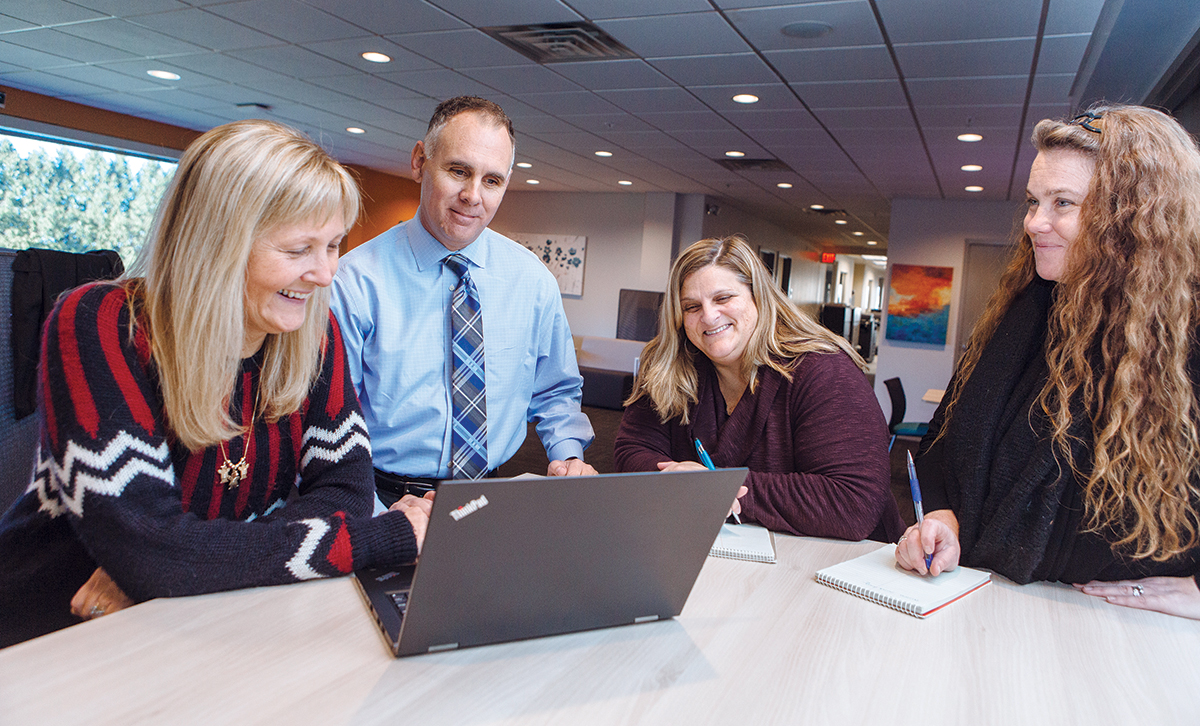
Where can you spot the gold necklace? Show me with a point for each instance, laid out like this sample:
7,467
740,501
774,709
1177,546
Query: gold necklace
232,474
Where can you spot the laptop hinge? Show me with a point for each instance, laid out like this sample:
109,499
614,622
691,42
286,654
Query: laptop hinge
645,619
444,646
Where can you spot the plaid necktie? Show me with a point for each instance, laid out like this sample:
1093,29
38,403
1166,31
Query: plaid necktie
468,436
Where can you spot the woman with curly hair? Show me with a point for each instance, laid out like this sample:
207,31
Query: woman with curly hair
1068,447
738,367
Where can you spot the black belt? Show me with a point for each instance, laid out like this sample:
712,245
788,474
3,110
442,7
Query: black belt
391,487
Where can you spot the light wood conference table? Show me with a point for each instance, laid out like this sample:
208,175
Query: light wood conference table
755,644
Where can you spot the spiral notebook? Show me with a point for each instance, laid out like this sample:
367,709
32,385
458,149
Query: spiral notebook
875,576
744,542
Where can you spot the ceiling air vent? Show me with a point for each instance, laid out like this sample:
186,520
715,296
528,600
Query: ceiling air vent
744,164
560,42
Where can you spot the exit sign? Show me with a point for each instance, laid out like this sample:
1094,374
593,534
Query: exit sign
828,258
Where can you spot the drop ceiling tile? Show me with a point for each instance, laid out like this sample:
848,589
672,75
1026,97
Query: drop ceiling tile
578,102
968,91
66,46
32,59
964,59
184,66
1051,88
865,118
441,82
8,24
605,9
771,138
189,99
772,97
1073,16
613,74
954,120
851,94
1060,111
768,120
349,51
47,12
107,79
1062,53
47,83
291,60
370,114
652,100
461,49
715,143
523,79
904,140
714,70
675,35
864,63
606,124
853,23
386,17
672,121
909,21
206,30
509,12
230,95
290,20
130,8
367,88
125,34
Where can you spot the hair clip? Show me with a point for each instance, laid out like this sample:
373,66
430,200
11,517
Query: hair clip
1085,120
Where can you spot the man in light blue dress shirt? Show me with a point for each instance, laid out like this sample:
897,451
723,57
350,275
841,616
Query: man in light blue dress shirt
392,295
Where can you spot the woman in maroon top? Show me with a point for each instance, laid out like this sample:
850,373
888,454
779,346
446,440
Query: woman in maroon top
738,367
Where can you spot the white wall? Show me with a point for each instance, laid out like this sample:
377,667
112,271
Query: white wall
808,275
932,232
628,244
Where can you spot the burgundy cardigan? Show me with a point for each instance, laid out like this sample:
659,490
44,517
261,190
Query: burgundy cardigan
816,447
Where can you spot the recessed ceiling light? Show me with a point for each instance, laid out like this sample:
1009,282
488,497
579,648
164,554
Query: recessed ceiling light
603,153
973,188
625,183
532,181
806,29
840,221
970,137
857,234
816,206
875,258
971,167
735,154
784,185
376,57
872,242
746,98
524,165
355,130
165,75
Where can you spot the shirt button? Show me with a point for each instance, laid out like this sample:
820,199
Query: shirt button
451,288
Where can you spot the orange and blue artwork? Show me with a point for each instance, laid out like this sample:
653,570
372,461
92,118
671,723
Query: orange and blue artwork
919,303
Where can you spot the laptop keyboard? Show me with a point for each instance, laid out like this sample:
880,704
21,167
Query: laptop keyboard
400,597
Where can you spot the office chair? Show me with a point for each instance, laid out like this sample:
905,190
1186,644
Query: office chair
897,426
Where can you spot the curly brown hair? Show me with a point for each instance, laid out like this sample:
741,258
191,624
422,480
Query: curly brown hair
1121,326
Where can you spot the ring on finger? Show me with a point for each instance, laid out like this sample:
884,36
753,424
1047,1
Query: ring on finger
902,538
1138,590
96,611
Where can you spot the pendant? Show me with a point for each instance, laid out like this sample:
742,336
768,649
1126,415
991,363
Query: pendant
232,474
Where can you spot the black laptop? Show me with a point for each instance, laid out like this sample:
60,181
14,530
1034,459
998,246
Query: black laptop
510,559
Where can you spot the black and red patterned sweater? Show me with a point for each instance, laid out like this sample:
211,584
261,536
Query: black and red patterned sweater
112,488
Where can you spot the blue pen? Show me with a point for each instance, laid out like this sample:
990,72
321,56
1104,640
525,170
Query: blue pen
708,462
915,486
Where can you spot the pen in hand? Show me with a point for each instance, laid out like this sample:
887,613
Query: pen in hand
915,486
708,462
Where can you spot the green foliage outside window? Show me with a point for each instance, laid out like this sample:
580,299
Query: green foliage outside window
77,200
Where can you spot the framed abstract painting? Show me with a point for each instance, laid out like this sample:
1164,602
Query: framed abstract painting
919,303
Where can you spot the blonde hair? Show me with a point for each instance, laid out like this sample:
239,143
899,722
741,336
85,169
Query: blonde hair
1122,326
234,185
783,334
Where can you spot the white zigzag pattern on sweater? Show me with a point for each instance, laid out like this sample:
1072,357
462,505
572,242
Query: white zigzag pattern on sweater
298,565
316,434
53,481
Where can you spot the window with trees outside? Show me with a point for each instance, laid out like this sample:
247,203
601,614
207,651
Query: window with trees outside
60,195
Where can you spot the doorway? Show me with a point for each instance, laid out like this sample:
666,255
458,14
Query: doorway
985,262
